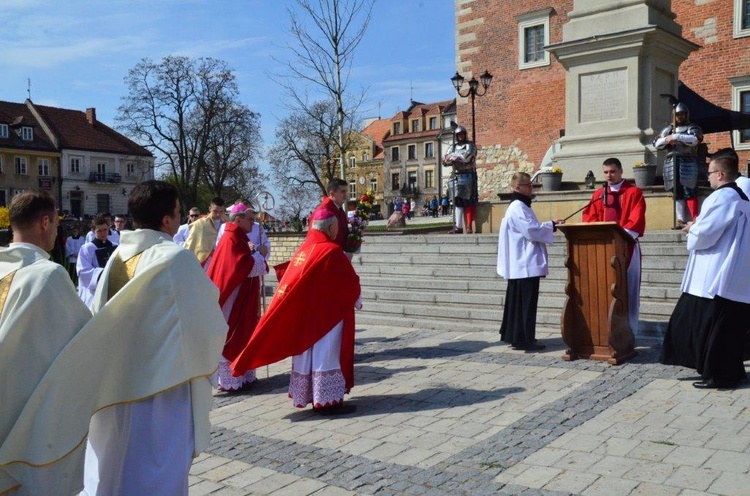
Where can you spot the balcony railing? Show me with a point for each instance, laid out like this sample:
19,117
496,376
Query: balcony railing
112,177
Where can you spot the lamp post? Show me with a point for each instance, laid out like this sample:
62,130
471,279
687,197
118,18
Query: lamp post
473,92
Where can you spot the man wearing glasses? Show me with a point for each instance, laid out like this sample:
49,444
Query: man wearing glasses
184,230
622,202
707,327
522,260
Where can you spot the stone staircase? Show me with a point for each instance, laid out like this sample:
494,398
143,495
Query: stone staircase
449,282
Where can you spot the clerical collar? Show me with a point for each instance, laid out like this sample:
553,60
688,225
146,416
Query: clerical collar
522,198
616,187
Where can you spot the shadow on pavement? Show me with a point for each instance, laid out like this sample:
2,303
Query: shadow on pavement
443,350
419,401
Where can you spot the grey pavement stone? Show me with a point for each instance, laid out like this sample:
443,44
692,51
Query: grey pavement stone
543,414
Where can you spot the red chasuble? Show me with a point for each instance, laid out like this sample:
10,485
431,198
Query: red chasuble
630,203
231,263
318,290
327,204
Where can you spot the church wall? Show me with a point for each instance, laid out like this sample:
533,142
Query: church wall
524,110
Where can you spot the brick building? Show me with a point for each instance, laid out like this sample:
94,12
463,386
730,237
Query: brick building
523,112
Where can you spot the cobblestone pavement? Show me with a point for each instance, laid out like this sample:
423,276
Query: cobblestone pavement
446,413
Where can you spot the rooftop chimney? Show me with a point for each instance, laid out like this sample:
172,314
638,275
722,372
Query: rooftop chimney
91,115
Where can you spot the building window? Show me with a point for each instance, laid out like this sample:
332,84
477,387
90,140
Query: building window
396,128
352,162
412,180
429,179
741,103
75,165
102,203
433,123
21,166
352,190
130,168
27,133
533,35
395,181
741,18
412,152
429,150
101,167
373,184
43,166
394,154
415,126
3,130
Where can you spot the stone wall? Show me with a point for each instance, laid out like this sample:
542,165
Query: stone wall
523,111
283,246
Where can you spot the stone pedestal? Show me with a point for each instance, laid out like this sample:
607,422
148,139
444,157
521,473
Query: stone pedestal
619,56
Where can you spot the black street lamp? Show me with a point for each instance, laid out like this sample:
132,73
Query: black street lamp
458,82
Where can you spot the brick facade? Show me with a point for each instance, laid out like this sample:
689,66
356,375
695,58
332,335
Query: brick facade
523,111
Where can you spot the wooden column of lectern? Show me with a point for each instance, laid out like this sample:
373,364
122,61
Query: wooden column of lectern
594,320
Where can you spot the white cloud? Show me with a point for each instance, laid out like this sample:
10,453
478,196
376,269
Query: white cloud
46,55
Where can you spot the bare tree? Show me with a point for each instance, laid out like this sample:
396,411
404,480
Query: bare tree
232,152
176,108
303,157
326,35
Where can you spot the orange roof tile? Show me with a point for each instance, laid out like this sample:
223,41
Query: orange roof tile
75,132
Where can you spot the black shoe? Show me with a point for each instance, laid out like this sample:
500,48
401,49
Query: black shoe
533,346
340,409
712,384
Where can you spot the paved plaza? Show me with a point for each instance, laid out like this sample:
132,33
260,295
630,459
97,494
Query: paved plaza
450,413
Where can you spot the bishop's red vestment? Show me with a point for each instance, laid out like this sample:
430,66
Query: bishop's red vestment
318,290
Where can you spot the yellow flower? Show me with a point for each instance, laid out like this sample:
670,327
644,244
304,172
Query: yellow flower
638,164
4,218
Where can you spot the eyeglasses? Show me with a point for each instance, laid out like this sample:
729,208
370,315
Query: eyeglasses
194,215
711,172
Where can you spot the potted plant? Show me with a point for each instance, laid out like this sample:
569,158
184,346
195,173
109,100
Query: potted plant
644,174
551,178
5,233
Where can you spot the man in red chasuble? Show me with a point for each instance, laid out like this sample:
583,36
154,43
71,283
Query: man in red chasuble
622,202
236,269
311,318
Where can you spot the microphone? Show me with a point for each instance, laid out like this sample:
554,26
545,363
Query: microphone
604,194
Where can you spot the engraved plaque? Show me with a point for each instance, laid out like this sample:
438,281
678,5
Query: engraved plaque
603,96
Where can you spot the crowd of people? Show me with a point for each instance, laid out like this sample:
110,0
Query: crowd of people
116,399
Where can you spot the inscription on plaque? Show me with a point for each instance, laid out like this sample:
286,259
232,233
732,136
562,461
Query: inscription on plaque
603,96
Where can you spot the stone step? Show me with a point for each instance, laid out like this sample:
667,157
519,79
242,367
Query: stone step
449,282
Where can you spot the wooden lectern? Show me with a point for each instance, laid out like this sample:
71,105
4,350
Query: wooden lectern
594,320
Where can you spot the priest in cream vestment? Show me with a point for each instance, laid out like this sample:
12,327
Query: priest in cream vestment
33,288
142,364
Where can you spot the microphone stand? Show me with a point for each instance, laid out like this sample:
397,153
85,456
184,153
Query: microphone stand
602,198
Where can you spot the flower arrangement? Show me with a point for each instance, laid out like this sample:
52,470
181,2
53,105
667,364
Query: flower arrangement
358,219
640,164
4,218
551,170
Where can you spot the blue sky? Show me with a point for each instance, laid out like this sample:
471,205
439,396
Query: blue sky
78,52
